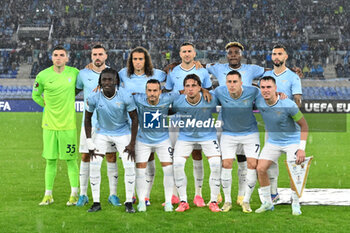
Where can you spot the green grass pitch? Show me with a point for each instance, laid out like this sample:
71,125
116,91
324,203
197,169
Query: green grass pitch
22,188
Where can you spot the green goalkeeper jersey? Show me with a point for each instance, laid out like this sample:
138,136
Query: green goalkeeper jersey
58,99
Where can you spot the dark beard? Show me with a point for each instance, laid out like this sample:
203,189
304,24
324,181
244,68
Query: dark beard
278,64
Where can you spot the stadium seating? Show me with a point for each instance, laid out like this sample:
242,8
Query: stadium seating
161,26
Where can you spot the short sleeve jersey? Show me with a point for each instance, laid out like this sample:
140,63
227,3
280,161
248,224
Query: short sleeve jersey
87,80
280,121
111,112
287,82
195,122
237,114
59,97
137,83
247,71
153,118
175,78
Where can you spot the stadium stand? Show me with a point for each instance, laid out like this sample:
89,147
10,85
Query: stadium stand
316,32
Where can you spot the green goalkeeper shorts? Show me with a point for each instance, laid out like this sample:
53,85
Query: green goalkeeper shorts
60,144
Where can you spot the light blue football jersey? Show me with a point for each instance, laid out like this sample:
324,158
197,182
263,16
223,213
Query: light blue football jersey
247,71
175,78
287,82
281,128
87,80
196,122
137,83
153,118
237,114
111,112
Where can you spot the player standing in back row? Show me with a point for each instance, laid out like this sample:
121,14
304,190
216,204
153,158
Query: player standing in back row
175,83
288,83
88,80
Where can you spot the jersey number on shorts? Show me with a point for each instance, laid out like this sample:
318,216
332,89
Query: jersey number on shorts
70,148
257,148
216,144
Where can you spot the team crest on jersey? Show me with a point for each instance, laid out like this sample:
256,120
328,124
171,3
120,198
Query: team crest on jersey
118,104
151,120
69,79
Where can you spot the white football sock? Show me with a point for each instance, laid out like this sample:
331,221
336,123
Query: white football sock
180,177
226,181
214,178
174,188
74,191
141,184
112,173
251,181
129,178
198,173
150,173
95,177
273,173
265,194
242,177
168,182
48,192
84,177
295,198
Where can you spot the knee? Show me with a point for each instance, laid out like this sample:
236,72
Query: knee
252,164
141,165
111,157
85,157
227,163
261,169
197,154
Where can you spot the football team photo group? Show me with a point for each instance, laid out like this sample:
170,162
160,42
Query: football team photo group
141,113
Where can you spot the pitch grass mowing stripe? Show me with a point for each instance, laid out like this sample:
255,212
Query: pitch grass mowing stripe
22,188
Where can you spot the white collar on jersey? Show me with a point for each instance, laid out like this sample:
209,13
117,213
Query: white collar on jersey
98,72
281,72
197,101
109,98
187,69
278,98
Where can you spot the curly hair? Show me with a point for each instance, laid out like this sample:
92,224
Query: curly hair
148,62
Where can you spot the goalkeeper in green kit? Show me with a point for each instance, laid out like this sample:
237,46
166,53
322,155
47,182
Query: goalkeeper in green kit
57,84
